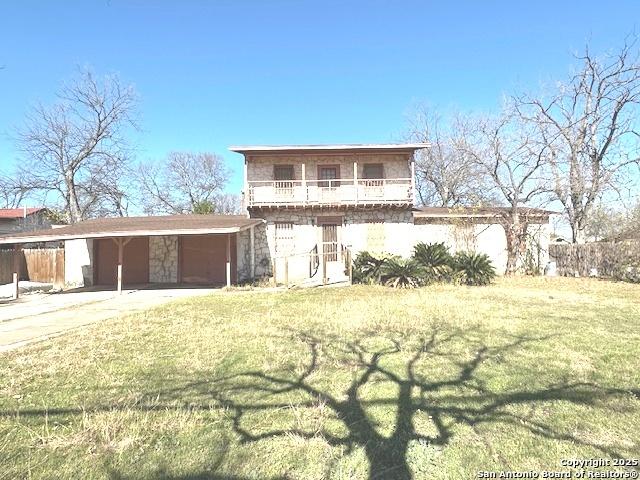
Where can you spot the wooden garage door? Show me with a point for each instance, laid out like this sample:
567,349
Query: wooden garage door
203,259
135,265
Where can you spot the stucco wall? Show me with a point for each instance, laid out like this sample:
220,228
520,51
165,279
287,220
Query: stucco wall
163,259
261,167
78,263
391,231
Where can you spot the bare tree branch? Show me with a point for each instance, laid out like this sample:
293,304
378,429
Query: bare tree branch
590,128
442,173
186,182
77,148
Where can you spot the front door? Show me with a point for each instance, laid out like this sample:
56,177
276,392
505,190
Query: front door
330,237
330,241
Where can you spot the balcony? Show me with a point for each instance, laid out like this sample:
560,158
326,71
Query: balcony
341,192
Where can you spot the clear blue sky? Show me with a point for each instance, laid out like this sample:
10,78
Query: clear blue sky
212,74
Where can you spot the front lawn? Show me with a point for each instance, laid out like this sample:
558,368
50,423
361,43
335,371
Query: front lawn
338,383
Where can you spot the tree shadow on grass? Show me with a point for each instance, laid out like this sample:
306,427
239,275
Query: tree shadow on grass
448,399
437,380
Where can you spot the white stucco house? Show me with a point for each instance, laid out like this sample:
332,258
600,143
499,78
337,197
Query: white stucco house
308,209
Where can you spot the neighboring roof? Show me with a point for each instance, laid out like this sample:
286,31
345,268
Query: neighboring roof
138,227
13,213
338,148
475,212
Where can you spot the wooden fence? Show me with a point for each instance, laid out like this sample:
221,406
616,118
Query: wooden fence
36,264
606,258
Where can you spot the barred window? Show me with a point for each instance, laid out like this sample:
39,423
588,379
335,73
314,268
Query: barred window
284,238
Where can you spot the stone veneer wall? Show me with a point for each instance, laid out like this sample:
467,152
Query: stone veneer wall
163,259
261,167
262,254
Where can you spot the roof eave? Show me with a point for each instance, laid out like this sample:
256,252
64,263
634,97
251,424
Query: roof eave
266,149
119,234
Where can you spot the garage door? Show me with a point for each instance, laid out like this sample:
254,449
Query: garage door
203,259
135,264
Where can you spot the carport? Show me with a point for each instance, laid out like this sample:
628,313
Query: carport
202,248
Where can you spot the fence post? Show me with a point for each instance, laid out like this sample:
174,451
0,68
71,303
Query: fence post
273,268
286,271
324,268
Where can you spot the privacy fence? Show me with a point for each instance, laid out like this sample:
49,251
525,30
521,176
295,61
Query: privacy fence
607,258
36,264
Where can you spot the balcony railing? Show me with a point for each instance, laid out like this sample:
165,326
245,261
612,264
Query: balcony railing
329,192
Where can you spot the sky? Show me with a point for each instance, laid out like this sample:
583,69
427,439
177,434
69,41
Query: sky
211,74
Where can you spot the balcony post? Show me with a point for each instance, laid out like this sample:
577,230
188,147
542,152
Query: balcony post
413,180
246,200
355,181
304,183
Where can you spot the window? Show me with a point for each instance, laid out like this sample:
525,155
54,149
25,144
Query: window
373,174
372,171
284,238
376,237
329,173
283,174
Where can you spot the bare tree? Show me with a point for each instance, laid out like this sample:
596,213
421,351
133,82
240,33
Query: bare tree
77,148
590,127
13,190
444,176
511,158
184,182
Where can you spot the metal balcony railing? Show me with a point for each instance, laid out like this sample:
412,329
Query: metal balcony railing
329,192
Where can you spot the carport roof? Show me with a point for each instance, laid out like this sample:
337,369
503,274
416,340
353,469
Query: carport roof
138,227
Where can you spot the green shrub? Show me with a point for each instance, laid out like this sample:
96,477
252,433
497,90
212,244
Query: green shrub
366,268
401,272
473,268
435,260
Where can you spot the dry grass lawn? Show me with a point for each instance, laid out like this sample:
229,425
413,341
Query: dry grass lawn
352,383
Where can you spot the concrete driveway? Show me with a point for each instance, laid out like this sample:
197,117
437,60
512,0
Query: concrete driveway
39,316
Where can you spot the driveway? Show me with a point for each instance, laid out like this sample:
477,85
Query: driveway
39,316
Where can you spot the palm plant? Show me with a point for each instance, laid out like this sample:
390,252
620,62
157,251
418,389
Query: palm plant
366,268
435,260
473,268
402,273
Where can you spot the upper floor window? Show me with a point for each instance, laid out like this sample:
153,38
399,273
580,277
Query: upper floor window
282,172
283,176
328,174
372,171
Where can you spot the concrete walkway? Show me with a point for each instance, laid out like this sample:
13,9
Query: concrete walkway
40,316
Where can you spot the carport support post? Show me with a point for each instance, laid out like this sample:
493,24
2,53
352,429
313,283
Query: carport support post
228,259
119,241
16,271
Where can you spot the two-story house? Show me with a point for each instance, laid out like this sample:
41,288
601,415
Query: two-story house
329,199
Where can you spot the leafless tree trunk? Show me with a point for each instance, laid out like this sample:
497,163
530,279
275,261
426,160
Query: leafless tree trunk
590,128
77,148
511,158
444,176
183,183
